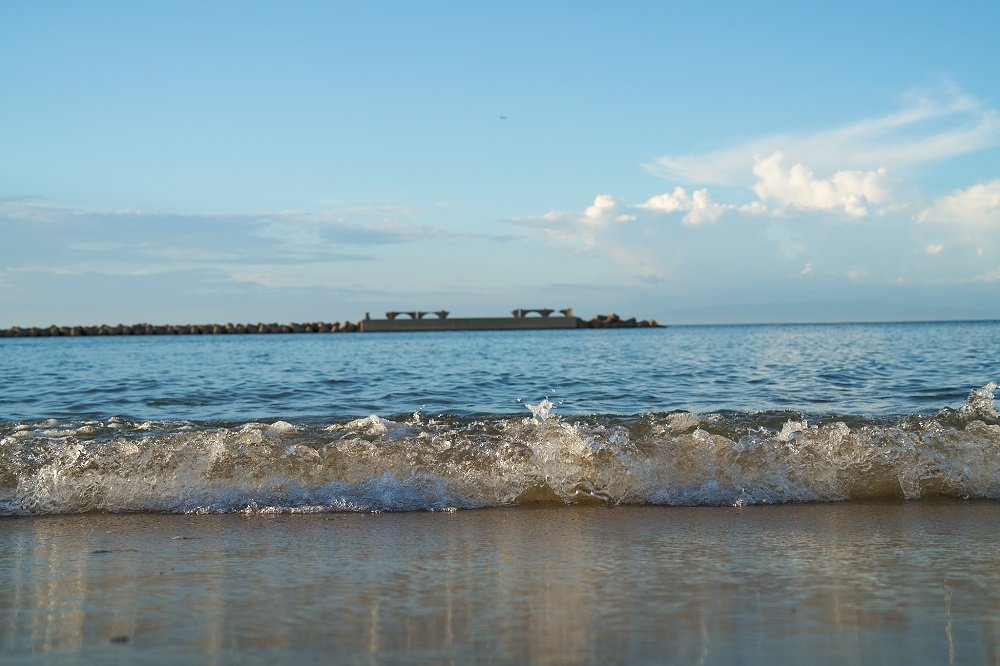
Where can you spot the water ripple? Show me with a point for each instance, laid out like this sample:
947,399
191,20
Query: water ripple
843,369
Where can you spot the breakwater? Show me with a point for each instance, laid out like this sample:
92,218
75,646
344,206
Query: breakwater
395,323
184,329
614,321
522,320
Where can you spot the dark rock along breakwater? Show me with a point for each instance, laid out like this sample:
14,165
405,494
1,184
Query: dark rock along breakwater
599,321
185,329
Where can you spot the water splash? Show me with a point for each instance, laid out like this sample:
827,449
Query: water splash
445,463
980,404
542,411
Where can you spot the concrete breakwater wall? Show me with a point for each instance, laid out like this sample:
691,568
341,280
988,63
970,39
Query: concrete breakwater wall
185,329
516,323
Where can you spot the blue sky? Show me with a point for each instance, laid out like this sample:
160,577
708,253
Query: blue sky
727,162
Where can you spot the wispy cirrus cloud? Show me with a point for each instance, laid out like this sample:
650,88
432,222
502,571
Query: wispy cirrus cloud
931,126
113,240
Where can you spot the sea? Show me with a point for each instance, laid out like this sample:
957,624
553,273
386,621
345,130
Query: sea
781,494
444,421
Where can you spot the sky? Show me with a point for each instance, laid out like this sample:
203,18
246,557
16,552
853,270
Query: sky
711,162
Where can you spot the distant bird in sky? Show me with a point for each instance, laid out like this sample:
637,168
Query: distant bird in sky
503,117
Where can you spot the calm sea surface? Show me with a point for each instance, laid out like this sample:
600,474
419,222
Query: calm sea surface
683,415
860,369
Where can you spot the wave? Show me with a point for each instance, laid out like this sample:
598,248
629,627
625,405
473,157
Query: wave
450,462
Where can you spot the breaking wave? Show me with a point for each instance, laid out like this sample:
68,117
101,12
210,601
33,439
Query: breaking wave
451,462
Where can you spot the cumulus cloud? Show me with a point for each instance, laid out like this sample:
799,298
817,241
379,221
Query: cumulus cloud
603,211
843,171
699,208
582,232
668,203
976,206
797,186
595,230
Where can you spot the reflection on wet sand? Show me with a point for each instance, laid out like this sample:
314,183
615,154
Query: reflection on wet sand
843,582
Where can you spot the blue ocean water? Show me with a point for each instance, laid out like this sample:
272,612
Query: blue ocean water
853,369
682,415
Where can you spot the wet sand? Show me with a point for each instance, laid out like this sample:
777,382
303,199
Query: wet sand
824,583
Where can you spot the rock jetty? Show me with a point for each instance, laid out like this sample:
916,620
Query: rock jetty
614,321
600,321
185,329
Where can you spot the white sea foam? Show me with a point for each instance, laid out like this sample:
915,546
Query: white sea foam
376,464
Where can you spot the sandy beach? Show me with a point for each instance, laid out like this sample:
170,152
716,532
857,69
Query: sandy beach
835,583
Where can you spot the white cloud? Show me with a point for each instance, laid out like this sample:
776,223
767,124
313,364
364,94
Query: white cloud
703,209
856,275
976,206
581,232
668,203
796,186
929,128
845,169
594,230
754,208
600,213
698,206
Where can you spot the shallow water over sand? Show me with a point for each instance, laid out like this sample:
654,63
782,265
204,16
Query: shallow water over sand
884,582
